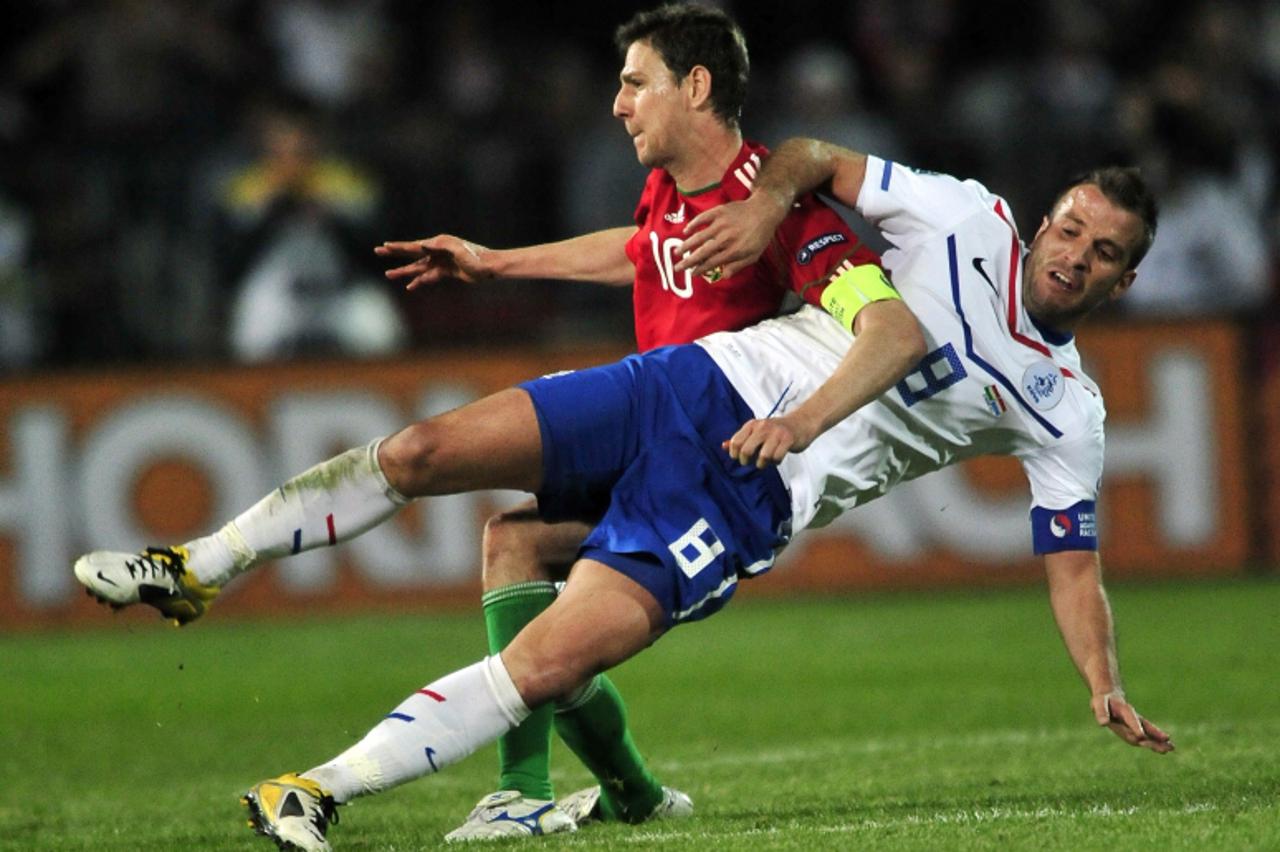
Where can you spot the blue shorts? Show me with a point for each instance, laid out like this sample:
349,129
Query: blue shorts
634,447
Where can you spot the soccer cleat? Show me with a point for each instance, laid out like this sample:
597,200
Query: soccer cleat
293,811
157,576
507,813
584,806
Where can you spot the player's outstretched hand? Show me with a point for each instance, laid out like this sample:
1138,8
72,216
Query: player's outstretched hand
766,442
730,237
1114,712
436,259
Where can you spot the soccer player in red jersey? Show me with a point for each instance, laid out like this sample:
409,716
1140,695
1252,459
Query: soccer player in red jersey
682,87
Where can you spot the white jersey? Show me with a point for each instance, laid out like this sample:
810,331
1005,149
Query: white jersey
991,383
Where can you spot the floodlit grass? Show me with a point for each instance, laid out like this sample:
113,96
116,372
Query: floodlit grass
890,722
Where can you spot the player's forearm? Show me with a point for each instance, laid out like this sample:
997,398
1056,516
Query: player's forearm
888,344
1083,614
800,165
596,257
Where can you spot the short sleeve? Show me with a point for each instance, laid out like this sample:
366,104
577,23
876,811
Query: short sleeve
908,204
1065,478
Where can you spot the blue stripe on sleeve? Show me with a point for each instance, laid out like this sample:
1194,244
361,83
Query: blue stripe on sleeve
884,178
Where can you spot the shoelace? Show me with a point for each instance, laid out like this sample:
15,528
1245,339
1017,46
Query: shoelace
328,813
152,563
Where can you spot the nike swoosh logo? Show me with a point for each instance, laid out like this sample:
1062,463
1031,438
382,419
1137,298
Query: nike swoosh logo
107,580
977,264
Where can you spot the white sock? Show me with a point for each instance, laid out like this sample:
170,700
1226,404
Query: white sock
435,727
332,502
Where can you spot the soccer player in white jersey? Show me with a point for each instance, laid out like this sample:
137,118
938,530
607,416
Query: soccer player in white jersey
701,460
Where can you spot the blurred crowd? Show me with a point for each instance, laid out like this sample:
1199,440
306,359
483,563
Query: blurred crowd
205,179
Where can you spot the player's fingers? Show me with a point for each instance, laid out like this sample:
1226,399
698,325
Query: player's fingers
1154,732
745,443
694,252
1155,739
715,262
1130,717
764,456
1121,730
411,247
702,220
734,443
418,267
749,451
780,442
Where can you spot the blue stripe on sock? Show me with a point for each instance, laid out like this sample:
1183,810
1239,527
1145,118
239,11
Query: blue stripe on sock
403,717
297,541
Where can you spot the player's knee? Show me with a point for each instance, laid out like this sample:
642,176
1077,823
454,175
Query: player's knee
540,678
510,551
411,458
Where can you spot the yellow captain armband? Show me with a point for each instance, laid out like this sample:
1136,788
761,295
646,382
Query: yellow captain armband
853,289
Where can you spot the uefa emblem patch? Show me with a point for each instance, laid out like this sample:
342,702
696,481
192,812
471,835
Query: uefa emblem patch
1043,384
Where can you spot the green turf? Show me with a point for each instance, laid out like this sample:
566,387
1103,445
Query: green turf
889,722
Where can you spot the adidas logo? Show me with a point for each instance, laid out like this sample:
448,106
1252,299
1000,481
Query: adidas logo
677,217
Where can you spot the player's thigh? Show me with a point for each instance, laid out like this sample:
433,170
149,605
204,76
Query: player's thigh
490,443
600,619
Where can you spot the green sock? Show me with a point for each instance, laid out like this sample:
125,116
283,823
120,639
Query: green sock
595,727
524,753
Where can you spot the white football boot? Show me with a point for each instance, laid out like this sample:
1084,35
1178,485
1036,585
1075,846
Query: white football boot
157,576
584,806
507,813
293,811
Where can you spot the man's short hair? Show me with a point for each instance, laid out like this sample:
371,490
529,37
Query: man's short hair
687,34
1124,187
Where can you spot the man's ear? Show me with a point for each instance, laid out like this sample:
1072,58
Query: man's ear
1125,282
699,90
1044,225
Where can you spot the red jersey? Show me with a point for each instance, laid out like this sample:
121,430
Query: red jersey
810,247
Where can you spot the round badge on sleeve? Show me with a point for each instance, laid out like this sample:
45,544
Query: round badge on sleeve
1043,384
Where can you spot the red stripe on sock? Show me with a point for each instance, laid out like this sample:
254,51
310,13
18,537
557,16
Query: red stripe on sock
333,536
432,695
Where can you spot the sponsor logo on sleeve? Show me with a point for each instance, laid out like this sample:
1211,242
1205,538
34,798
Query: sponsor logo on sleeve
806,254
1088,525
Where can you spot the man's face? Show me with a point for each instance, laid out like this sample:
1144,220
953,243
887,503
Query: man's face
651,104
1079,258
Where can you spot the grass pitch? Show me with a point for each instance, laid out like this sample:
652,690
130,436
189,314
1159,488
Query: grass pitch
890,722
